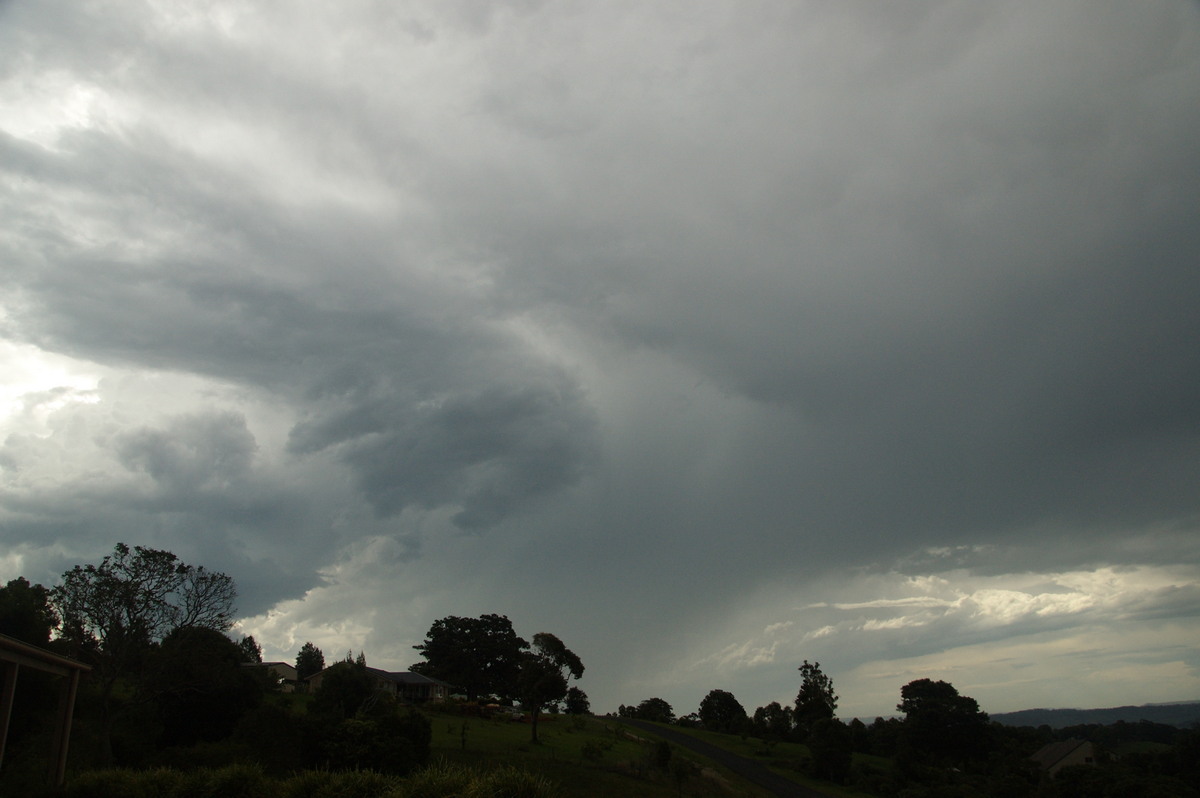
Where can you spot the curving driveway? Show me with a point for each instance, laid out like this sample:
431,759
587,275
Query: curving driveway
748,769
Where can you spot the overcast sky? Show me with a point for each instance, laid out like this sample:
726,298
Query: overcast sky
708,336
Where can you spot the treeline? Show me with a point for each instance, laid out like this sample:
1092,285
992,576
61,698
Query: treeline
944,746
168,687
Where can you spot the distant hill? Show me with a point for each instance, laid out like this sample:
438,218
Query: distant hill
1182,715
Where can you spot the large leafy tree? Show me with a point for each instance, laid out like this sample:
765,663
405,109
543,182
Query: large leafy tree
250,650
774,721
199,687
482,656
139,595
26,612
720,711
345,688
832,749
816,699
576,702
543,673
112,612
653,709
939,724
309,660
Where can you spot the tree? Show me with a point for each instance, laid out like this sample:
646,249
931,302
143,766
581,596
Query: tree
345,689
940,724
114,611
26,612
483,655
138,596
250,650
655,709
576,702
720,711
27,615
832,749
310,660
542,678
773,722
199,687
816,699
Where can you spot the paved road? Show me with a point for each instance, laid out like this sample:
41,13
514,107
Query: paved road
748,769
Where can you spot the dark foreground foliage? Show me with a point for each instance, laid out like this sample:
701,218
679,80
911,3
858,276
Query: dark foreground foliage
250,781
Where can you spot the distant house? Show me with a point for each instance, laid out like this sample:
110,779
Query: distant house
284,673
412,688
1055,756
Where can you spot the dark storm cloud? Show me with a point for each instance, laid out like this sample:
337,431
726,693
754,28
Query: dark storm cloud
431,406
487,450
731,296
198,451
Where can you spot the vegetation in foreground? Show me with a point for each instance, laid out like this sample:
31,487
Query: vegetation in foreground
172,709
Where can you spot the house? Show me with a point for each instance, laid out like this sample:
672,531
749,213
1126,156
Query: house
412,688
1055,756
284,673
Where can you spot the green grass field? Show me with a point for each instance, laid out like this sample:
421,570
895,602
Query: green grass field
789,760
585,757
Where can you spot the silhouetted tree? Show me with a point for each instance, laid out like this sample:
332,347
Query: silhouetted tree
816,699
542,679
832,749
113,611
251,650
27,615
940,724
773,722
345,689
26,612
481,655
653,709
199,687
576,702
309,660
720,711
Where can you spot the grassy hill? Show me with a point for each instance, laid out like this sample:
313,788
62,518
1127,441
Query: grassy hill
585,757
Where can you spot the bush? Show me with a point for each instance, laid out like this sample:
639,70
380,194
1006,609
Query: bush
307,784
445,780
359,784
511,782
274,737
111,783
231,781
438,781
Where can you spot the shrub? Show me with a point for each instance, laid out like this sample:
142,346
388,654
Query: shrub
274,736
110,783
511,782
440,780
231,781
359,784
306,784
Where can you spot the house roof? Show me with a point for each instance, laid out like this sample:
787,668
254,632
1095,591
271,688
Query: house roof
405,677
399,677
1051,754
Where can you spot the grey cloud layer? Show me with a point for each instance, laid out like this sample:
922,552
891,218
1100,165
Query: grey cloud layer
723,294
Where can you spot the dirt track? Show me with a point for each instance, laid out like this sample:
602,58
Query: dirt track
748,769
